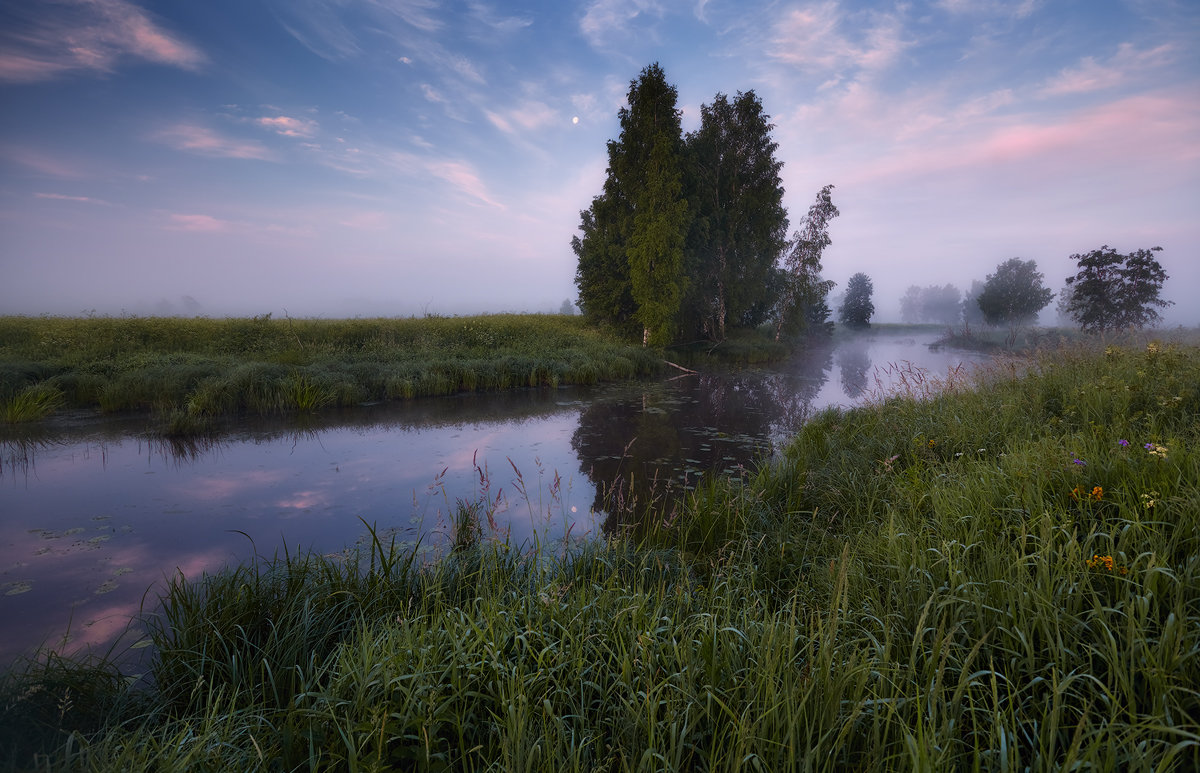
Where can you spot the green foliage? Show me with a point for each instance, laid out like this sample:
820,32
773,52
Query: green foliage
802,303
741,224
856,309
656,248
685,235
1114,291
193,370
31,403
1014,294
645,157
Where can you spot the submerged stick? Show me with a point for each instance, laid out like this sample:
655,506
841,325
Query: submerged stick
685,370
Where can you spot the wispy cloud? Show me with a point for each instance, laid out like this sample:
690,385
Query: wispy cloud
607,21
207,142
529,116
46,40
1125,65
63,197
1002,8
200,223
465,178
288,126
815,37
496,23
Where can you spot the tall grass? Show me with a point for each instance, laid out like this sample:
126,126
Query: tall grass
984,579
212,367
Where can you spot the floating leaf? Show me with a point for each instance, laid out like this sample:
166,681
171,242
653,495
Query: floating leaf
18,588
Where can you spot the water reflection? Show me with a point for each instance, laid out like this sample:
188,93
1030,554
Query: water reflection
93,513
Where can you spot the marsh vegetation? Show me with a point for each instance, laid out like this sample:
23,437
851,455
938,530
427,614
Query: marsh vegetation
191,371
994,575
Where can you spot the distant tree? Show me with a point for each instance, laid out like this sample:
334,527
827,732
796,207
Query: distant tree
971,313
566,309
803,293
1112,291
1013,295
856,309
931,304
740,223
910,305
644,165
1062,307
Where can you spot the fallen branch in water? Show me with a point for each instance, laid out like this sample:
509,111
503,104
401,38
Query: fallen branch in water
685,370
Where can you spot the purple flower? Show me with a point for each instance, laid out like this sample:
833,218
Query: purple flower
1122,442
1080,462
1149,446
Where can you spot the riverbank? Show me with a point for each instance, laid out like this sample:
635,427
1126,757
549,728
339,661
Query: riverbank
1001,575
188,372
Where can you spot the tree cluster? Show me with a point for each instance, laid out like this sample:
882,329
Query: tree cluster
689,235
931,304
1112,291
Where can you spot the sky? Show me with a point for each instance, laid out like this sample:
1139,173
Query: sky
356,158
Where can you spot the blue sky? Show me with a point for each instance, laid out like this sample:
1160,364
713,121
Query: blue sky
395,157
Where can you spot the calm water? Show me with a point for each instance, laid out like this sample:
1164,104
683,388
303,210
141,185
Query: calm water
93,515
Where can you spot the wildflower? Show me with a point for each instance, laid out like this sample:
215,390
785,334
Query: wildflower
1097,493
932,442
1152,348
1075,493
1106,563
1123,443
1149,500
1156,450
1080,462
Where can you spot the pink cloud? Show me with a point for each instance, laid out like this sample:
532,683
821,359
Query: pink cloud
88,35
1144,130
206,142
288,126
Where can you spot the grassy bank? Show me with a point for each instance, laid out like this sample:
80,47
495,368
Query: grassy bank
188,370
1002,576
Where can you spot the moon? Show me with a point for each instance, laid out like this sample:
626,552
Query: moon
575,119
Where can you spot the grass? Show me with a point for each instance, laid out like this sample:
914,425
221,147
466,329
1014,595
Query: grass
199,369
985,578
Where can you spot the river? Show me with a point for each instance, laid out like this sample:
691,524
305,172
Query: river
95,513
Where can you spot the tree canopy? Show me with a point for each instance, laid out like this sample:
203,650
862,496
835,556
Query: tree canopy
857,309
1014,294
1112,291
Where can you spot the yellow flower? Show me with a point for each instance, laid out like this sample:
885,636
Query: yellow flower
1097,493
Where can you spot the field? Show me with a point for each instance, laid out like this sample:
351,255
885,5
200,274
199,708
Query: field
998,574
189,372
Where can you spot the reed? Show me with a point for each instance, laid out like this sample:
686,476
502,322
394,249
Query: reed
31,404
986,578
217,367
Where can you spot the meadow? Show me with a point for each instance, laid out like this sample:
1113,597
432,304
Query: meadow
190,372
996,574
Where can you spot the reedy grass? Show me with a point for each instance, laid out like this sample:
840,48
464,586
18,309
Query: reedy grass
216,367
912,585
31,403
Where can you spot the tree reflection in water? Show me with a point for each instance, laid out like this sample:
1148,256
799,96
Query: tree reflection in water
645,446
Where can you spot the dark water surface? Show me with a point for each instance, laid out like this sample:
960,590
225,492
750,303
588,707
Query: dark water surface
93,514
